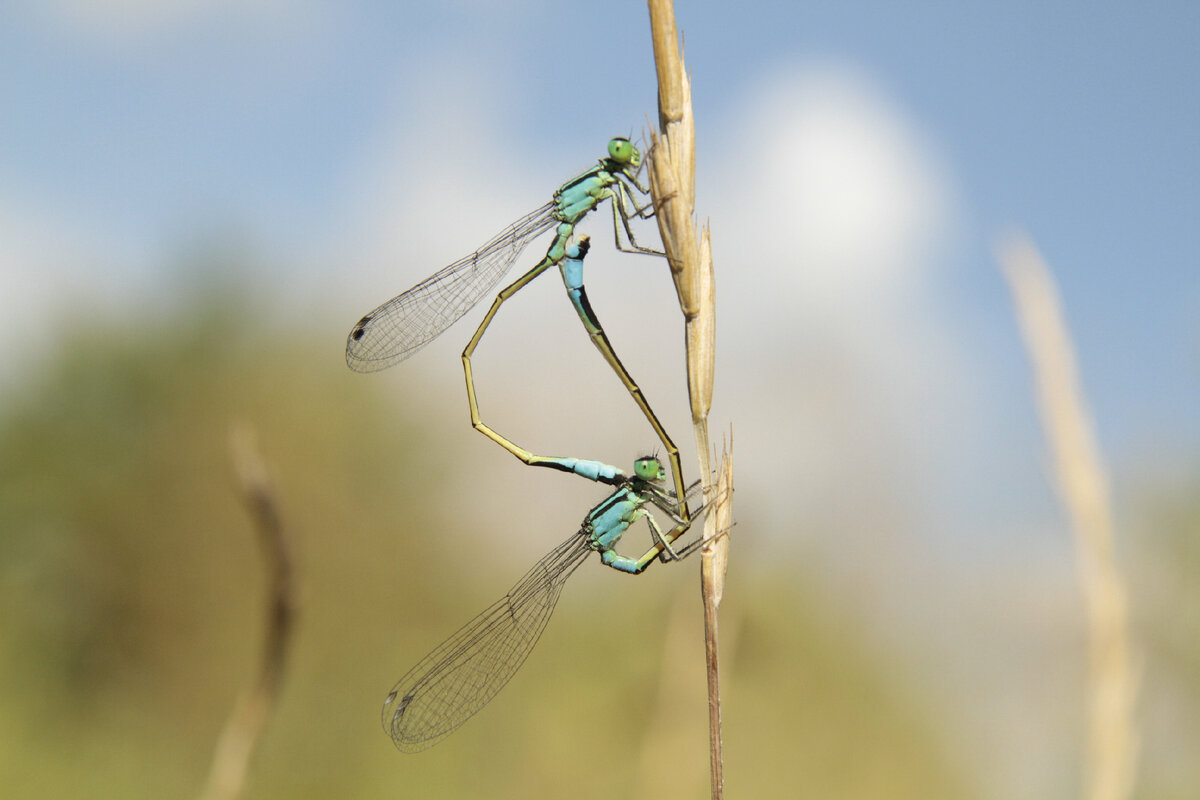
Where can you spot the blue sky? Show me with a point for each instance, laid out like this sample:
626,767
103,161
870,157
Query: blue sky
858,161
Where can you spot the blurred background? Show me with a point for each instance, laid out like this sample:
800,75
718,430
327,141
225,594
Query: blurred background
199,198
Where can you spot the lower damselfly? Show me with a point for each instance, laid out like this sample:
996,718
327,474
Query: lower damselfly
463,673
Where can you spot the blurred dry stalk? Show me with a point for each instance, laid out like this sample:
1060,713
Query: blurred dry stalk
673,189
1083,487
246,722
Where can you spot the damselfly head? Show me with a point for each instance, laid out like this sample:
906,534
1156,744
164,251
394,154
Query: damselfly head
622,151
649,468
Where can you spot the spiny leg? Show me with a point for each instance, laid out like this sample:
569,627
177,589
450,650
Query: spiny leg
611,558
620,196
665,502
656,535
634,177
679,554
647,210
662,549
662,544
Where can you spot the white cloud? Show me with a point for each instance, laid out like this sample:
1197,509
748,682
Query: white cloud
839,190
832,211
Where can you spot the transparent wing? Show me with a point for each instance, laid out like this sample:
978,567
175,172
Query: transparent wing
409,321
466,671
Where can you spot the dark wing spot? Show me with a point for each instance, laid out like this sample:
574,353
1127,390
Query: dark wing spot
360,328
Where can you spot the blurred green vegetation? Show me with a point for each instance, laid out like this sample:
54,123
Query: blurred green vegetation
1166,603
132,590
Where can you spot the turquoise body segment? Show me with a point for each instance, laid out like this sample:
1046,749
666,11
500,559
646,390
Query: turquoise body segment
607,524
577,199
592,470
571,268
608,521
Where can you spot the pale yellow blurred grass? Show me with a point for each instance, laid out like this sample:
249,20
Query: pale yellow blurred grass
1082,484
248,720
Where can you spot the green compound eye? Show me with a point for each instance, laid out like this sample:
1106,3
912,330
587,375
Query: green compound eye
622,151
649,469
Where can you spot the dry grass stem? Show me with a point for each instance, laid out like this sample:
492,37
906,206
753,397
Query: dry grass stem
246,722
714,558
673,189
1083,487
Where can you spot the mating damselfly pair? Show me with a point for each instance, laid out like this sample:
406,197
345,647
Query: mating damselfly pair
466,671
